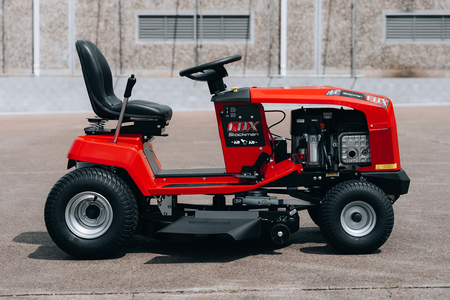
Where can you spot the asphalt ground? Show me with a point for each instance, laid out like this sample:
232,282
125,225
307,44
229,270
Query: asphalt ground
413,264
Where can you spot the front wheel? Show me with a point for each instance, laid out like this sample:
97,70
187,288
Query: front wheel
356,217
90,213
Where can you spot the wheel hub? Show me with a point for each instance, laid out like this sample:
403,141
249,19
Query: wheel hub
358,218
92,211
88,215
280,234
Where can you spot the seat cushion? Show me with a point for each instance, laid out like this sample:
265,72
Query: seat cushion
146,109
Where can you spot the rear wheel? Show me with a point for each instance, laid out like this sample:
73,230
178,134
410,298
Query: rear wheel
356,217
90,213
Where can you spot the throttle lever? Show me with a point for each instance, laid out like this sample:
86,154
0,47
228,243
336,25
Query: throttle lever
130,84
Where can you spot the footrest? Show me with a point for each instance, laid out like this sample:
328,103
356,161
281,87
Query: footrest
238,224
253,176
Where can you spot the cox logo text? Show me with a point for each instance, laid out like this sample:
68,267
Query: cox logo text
244,126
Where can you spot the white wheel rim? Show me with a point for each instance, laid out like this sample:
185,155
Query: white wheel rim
88,215
358,218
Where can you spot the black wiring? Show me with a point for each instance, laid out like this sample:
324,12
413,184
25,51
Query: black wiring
281,136
284,117
273,134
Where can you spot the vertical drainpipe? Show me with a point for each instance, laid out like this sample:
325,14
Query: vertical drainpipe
269,48
318,35
283,37
36,39
71,26
353,48
4,35
195,33
121,37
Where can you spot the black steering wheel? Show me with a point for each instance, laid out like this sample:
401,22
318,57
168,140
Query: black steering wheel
210,71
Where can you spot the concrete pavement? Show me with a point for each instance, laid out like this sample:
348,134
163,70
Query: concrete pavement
413,264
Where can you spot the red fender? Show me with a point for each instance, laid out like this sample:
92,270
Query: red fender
127,154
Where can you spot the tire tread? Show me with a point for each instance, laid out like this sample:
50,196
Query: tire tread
118,186
327,212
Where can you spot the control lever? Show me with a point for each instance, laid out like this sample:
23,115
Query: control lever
130,83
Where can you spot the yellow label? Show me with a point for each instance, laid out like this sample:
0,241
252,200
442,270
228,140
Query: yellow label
386,167
332,174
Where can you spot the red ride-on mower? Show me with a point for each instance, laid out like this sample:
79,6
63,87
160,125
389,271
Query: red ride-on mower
343,166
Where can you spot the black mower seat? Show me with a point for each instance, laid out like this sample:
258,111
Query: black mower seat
145,109
99,84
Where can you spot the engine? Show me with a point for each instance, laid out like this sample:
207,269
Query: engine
330,139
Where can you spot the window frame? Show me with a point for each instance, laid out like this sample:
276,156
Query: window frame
196,39
387,13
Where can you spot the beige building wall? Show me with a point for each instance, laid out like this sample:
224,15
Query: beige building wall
374,58
300,36
54,37
111,24
17,36
2,40
258,55
96,21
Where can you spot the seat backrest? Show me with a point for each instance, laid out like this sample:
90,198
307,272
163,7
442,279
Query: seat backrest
98,78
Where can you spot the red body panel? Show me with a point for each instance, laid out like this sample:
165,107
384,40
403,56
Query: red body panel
128,152
380,120
237,157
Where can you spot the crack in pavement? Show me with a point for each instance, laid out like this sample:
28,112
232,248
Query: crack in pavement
230,291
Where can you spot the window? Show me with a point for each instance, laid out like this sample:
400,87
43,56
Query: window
417,27
209,27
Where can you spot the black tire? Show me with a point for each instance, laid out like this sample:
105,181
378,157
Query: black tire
280,234
90,213
356,217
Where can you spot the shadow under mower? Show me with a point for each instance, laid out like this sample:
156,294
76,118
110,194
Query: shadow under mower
342,165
